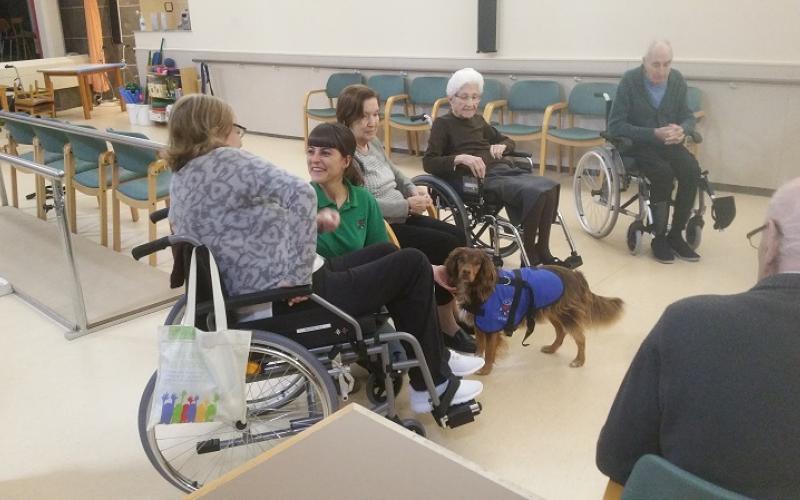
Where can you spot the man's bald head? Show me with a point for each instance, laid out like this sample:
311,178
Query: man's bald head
657,61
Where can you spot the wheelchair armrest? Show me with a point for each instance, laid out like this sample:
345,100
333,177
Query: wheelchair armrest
518,154
273,295
619,142
526,166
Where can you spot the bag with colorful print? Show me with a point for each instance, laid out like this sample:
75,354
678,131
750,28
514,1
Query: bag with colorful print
201,375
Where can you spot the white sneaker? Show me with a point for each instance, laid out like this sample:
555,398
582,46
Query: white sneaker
421,403
462,365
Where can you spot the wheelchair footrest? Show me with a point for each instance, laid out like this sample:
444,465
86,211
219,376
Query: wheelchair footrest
573,261
460,414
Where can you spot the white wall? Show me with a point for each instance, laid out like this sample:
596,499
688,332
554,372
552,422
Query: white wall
51,34
710,30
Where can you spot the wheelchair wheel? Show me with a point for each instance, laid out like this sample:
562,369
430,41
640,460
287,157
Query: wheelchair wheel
414,426
447,205
694,231
597,191
478,229
288,390
635,232
376,389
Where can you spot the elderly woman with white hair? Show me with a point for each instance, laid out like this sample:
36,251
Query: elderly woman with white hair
463,144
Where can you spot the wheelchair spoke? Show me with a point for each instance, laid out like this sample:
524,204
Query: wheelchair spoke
596,191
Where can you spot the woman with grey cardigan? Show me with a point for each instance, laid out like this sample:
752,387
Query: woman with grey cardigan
402,203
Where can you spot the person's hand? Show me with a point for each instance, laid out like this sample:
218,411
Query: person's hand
670,134
497,150
418,204
474,163
297,300
327,220
441,278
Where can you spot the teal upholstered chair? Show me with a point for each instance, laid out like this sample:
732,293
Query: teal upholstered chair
150,186
654,478
581,102
425,91
48,149
492,94
87,165
336,82
21,134
525,97
694,100
387,86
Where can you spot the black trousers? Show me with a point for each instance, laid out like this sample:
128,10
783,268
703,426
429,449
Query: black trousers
434,238
402,280
662,165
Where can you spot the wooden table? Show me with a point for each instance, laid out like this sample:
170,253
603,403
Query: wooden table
82,72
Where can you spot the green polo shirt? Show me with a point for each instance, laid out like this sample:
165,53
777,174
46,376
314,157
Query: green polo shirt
361,222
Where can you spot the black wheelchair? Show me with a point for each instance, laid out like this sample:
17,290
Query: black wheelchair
604,173
298,372
478,215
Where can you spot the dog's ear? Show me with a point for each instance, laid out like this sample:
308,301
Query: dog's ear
487,277
451,263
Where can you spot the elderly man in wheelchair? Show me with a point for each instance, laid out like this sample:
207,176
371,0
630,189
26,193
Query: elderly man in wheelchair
258,221
474,177
648,125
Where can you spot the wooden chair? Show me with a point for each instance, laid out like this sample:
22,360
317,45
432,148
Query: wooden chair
150,186
424,91
22,134
525,97
336,83
35,101
694,99
581,101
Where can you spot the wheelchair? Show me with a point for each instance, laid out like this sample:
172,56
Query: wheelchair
604,173
480,219
298,372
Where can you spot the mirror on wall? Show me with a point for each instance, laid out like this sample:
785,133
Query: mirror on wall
19,39
158,15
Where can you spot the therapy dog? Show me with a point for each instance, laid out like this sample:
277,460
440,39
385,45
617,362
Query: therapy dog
502,300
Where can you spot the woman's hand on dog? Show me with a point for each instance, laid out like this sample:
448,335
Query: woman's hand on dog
442,279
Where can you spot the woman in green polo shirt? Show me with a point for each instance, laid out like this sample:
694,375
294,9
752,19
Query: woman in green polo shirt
338,183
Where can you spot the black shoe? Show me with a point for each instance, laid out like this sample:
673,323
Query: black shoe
662,251
460,342
681,248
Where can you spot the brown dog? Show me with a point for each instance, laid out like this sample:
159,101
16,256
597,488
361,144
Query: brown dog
472,273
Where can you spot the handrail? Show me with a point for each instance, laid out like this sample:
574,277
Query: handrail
86,132
57,177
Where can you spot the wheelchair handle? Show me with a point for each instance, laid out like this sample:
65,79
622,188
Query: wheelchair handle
604,95
154,246
159,214
421,117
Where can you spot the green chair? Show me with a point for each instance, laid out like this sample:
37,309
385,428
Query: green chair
336,82
694,100
492,94
525,97
87,166
582,101
387,86
150,186
424,91
21,134
654,478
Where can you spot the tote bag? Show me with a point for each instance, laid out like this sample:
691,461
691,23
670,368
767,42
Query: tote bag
201,375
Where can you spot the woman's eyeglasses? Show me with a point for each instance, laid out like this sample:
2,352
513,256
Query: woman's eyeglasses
754,236
240,130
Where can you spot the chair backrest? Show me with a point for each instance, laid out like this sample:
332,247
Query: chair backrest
52,141
426,90
582,100
21,132
338,81
694,96
86,148
492,91
132,158
387,85
654,478
533,95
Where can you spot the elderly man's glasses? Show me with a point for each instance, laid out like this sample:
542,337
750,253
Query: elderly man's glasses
469,97
240,130
754,236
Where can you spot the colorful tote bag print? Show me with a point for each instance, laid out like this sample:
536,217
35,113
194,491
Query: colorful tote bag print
201,375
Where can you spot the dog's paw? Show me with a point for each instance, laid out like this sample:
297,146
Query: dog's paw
576,363
549,349
486,370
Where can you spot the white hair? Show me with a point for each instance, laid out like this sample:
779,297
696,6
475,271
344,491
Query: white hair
784,209
464,77
658,42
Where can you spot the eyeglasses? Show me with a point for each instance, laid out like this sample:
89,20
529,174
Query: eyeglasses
467,97
240,130
754,236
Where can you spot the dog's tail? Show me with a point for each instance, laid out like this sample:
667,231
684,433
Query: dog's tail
605,310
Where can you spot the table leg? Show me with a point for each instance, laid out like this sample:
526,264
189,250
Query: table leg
120,83
85,99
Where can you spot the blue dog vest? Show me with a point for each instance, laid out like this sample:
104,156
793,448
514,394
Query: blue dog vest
541,286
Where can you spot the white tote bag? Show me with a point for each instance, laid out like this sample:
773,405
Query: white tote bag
201,375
